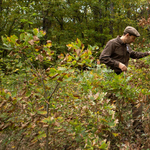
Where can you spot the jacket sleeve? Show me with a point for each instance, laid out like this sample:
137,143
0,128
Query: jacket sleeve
105,56
138,55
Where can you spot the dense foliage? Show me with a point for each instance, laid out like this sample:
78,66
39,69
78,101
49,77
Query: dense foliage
54,93
92,21
64,106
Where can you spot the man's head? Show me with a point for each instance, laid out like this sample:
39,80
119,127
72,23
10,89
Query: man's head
130,34
131,31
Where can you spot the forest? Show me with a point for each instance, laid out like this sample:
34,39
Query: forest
54,92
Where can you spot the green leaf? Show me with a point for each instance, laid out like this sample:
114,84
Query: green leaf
78,43
62,68
103,145
69,79
22,36
48,120
35,31
42,112
41,135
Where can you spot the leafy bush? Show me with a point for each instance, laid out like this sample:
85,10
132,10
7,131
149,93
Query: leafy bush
62,106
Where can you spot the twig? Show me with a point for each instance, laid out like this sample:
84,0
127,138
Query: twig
48,113
51,97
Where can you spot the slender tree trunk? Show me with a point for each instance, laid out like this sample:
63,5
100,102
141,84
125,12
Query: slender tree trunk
149,8
11,27
98,15
45,20
1,5
111,17
85,14
47,16
129,12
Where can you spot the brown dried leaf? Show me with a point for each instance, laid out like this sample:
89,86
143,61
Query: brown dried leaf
25,125
3,103
96,95
76,95
78,51
45,126
31,42
57,124
11,53
18,41
40,58
10,98
23,93
38,47
35,38
1,126
6,125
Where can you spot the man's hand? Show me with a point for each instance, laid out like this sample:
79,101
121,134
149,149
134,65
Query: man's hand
122,67
149,52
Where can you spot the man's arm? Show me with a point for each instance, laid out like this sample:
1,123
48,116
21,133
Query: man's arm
138,55
105,56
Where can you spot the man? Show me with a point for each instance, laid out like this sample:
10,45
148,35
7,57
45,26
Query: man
116,56
117,52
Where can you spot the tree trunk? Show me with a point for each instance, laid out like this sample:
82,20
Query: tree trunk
1,6
98,15
47,21
111,17
149,8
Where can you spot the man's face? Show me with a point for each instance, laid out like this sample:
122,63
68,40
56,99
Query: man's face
130,39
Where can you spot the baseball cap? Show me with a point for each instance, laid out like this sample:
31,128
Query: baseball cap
132,31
